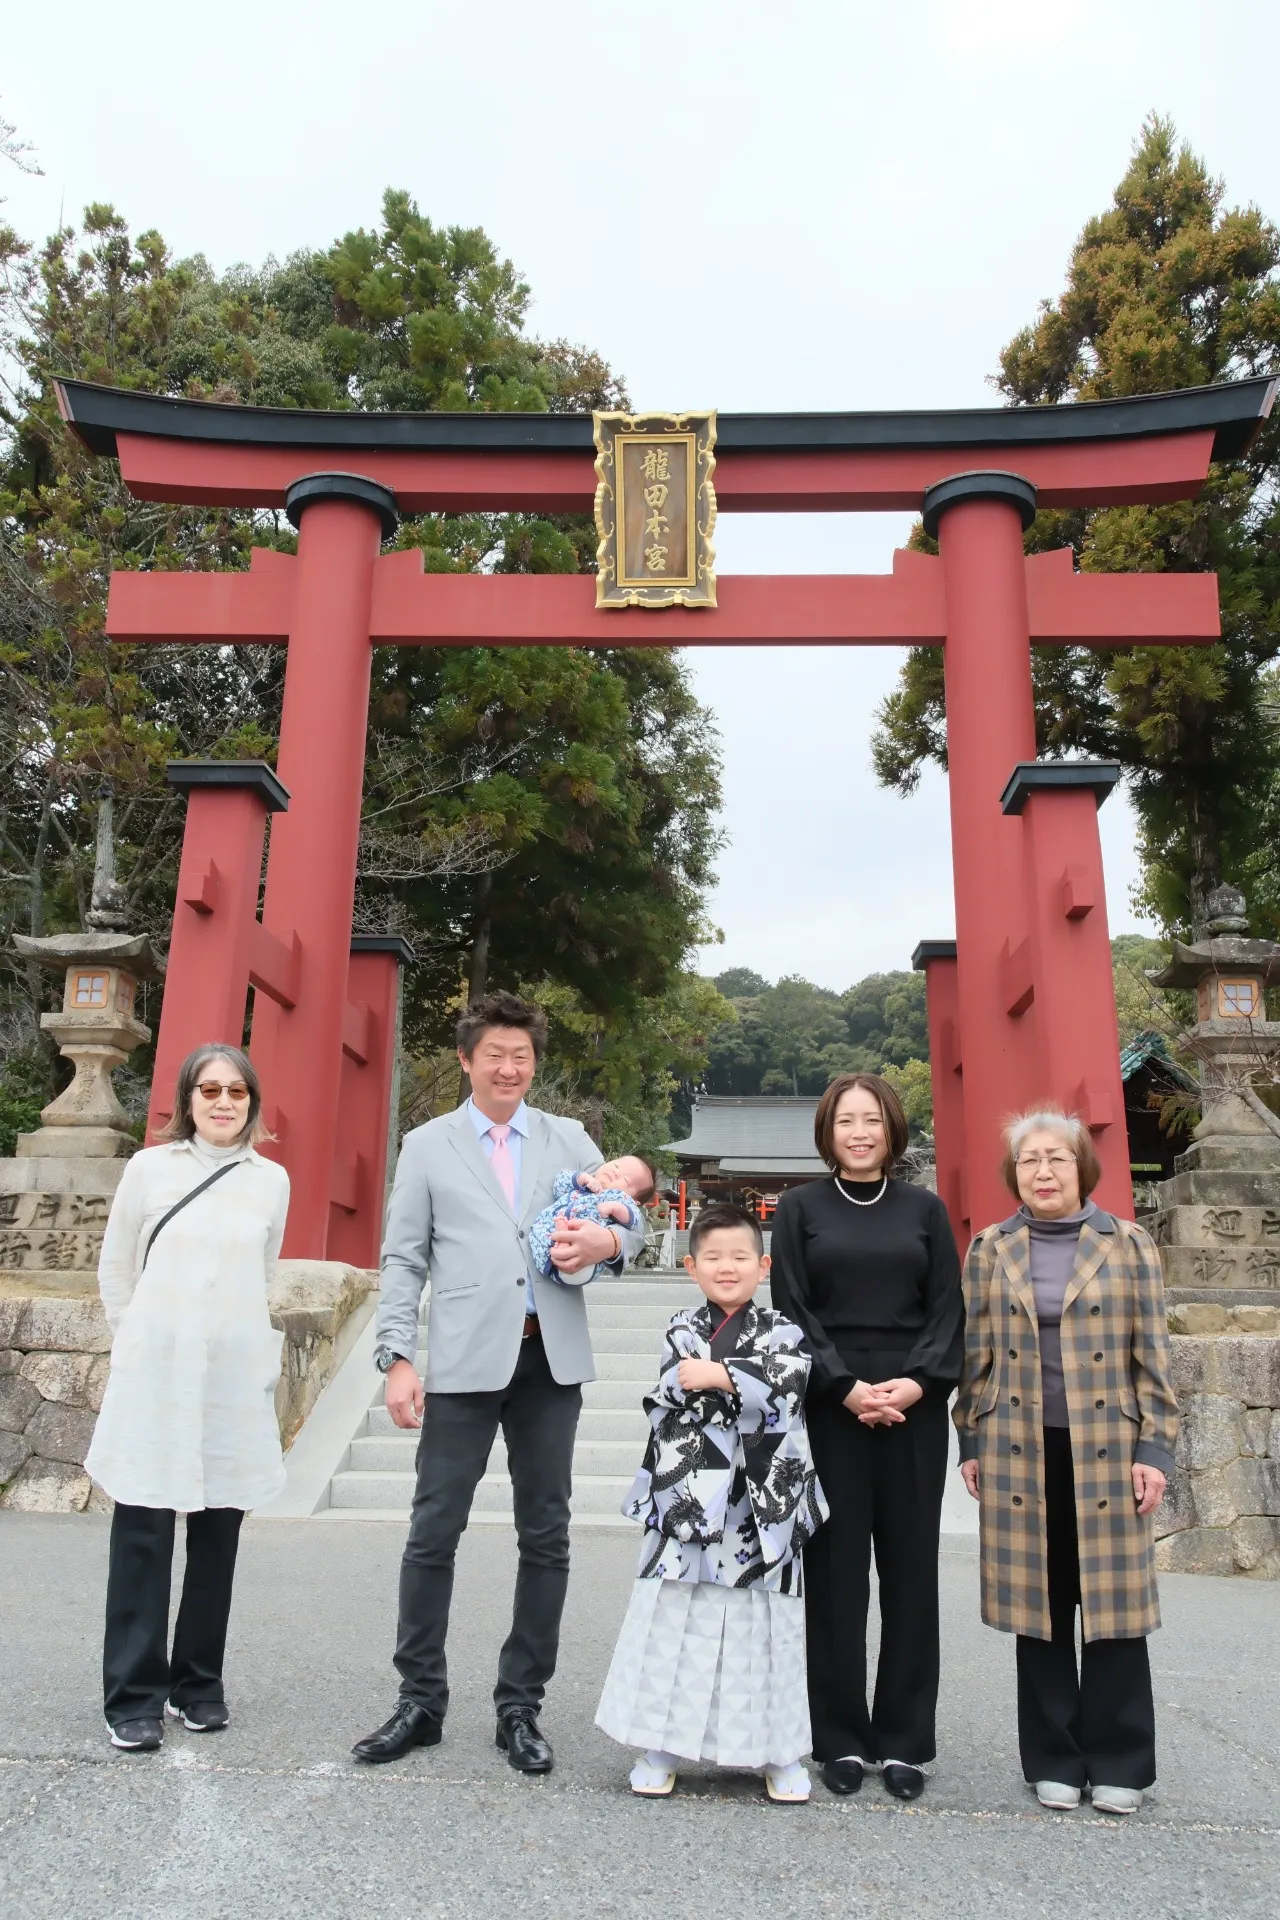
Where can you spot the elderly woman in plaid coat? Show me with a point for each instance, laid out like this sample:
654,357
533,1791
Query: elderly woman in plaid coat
1067,1422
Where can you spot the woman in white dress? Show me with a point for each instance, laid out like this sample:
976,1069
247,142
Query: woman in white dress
188,1423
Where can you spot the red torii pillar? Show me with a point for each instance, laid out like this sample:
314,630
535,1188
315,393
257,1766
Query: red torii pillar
936,959
218,948
342,520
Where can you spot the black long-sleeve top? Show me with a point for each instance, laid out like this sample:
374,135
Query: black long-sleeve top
858,1279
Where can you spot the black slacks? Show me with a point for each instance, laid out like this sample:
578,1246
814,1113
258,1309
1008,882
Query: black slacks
539,1419
884,1486
138,1672
1094,1725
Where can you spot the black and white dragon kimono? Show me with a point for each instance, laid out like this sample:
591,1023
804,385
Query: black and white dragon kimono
710,1660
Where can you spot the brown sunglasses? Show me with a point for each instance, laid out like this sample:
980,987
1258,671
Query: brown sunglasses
210,1089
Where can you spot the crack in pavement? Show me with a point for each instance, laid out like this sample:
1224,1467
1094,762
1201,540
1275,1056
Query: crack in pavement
365,1781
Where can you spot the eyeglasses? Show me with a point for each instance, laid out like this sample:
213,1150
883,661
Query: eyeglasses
210,1089
1055,1160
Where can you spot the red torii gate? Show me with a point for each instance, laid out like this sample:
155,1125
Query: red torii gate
1021,1004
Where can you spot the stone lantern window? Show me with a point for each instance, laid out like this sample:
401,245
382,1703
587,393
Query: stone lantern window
1231,999
87,990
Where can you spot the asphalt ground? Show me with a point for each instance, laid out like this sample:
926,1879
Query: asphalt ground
273,1818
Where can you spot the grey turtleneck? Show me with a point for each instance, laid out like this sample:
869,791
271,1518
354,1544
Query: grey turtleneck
1053,1255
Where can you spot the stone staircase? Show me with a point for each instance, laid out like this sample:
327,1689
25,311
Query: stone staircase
627,1318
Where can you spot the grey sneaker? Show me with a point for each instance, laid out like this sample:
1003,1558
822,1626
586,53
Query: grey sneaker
1117,1799
1057,1795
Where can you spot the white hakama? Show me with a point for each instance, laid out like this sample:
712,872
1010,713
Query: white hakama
709,1672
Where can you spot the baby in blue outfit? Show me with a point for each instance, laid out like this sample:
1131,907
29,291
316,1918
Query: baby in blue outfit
611,1196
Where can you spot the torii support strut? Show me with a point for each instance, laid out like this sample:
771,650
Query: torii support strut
976,474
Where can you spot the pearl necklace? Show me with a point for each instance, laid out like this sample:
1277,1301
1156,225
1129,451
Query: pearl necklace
884,1188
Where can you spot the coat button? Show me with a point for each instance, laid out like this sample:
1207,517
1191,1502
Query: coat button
1013,1353
1099,1404
1017,1499
1097,1356
1014,1400
1015,1449
1095,1310
1102,1453
1012,1307
1102,1503
519,1279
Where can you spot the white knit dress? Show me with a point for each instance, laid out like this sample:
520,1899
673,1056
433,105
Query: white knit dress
189,1419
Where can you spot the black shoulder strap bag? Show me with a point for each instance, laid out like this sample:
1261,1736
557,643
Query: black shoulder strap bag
185,1201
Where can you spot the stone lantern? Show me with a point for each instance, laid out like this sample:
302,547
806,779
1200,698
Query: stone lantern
1230,974
96,1030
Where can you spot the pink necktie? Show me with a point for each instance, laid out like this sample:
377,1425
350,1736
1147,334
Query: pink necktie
502,1163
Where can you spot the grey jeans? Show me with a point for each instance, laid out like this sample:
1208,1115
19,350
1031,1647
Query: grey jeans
539,1420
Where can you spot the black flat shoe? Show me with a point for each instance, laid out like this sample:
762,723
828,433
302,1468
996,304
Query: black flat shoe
409,1726
137,1736
523,1741
842,1776
902,1781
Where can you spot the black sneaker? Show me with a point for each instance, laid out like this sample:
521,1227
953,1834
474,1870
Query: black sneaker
202,1716
138,1736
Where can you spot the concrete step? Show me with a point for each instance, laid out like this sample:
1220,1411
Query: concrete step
614,1393
624,1421
395,1453
393,1492
606,1320
650,1290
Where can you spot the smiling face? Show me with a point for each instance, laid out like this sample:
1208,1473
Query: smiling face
501,1067
219,1103
858,1137
728,1266
1048,1175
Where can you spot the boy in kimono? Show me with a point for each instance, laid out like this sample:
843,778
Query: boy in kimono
709,1664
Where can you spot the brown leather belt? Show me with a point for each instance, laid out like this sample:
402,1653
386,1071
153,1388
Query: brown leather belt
530,1325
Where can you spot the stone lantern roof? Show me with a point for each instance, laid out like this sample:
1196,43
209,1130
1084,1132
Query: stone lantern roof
1223,948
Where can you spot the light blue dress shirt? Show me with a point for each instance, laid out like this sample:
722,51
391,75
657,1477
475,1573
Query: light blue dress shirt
519,1124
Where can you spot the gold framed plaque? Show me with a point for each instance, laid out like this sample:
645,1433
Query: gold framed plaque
655,509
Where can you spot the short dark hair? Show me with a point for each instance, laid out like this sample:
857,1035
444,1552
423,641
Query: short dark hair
651,1191
181,1126
896,1130
716,1218
501,1010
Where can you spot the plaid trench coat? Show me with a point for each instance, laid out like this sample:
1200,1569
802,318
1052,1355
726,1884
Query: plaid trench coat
1121,1410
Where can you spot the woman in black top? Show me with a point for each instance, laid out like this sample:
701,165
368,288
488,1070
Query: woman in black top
867,1267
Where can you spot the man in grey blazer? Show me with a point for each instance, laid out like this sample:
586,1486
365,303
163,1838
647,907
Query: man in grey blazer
506,1348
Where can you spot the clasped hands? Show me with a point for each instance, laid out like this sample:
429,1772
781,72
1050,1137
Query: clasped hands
886,1403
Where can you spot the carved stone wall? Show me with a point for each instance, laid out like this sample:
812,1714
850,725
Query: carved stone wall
1221,1513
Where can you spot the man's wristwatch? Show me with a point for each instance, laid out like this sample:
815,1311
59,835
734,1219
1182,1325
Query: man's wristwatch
384,1358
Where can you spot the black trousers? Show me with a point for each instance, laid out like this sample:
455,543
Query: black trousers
1094,1724
539,1420
884,1486
138,1672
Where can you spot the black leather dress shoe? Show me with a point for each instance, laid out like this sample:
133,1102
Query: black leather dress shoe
409,1726
523,1741
842,1776
902,1781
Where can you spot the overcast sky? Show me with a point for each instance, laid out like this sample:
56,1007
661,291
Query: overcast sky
742,205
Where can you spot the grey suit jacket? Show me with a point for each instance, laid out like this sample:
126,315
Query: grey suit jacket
449,1216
